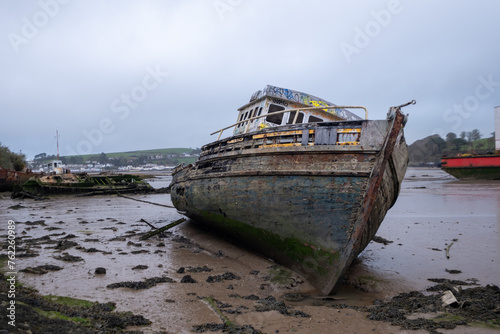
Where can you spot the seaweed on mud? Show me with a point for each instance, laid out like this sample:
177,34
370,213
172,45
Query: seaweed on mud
36,222
40,270
271,304
475,305
381,240
65,244
37,314
295,296
188,279
40,241
203,269
68,258
139,251
140,267
52,228
225,328
224,277
17,207
26,253
139,285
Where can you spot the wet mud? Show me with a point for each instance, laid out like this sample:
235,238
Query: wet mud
188,280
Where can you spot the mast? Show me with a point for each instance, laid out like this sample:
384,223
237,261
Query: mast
497,128
57,140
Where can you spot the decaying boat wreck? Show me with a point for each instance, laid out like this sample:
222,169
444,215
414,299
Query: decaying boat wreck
302,181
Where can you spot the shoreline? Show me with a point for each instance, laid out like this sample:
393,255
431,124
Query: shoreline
242,286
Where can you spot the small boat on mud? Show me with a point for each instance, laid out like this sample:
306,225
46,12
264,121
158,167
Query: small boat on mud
10,178
61,181
476,166
301,180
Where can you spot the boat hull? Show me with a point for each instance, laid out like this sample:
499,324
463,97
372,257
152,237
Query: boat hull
10,178
485,167
83,183
312,208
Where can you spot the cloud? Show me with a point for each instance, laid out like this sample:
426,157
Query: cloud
88,54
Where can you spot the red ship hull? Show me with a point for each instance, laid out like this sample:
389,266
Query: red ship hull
481,167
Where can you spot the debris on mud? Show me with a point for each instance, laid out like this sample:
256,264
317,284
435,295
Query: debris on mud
453,271
100,271
295,296
271,304
224,277
68,258
65,244
26,253
140,267
40,270
16,207
39,314
225,328
203,269
146,284
475,306
188,279
381,240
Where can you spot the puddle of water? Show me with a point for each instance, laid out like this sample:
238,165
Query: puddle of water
434,211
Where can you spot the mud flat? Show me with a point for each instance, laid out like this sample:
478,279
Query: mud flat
190,280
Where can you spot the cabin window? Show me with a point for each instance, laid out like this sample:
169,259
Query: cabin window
313,119
260,111
276,119
300,118
240,119
253,114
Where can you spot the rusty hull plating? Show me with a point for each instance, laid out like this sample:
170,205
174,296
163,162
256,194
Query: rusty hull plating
300,194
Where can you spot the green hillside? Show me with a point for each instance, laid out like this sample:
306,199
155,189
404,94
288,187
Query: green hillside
132,154
429,150
163,156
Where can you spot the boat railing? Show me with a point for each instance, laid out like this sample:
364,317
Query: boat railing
297,110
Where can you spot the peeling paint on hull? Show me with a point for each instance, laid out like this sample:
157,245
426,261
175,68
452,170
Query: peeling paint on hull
312,207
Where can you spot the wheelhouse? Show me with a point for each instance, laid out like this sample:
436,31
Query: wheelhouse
268,108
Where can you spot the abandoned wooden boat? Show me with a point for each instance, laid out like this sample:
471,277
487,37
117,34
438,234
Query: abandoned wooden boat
10,178
302,181
59,180
84,183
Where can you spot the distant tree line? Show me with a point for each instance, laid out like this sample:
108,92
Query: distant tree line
120,161
430,149
11,160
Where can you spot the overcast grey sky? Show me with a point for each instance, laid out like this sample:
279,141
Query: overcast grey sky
123,75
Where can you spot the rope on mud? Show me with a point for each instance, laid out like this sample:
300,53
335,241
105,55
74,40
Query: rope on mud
448,250
140,200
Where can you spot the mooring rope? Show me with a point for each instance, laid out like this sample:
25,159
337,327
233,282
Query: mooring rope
148,202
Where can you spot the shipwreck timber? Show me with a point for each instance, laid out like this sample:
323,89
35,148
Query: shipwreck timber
310,195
